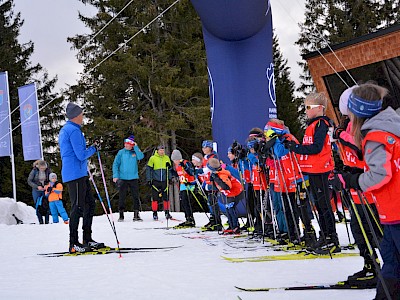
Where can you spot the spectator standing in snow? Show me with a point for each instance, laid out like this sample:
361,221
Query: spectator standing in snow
126,174
37,179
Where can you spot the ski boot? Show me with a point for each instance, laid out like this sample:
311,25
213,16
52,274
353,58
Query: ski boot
93,244
121,216
310,238
167,215
136,216
78,247
329,245
155,216
209,224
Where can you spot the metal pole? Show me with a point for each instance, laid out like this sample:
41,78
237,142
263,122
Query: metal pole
11,142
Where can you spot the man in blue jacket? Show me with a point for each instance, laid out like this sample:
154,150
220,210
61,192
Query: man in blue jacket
74,155
126,174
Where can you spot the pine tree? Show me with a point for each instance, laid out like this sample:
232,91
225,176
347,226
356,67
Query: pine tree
329,22
155,86
287,103
15,58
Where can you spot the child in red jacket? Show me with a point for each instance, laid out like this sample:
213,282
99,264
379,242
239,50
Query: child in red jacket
230,188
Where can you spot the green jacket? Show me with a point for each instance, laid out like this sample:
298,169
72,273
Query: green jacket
158,167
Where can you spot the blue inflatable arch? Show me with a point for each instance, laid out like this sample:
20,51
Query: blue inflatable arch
238,40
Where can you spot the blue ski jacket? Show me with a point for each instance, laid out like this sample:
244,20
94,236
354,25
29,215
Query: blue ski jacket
74,153
125,164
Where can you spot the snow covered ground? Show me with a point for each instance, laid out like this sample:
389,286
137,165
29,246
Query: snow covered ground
193,271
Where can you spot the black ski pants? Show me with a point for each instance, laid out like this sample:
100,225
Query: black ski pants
320,191
133,185
82,205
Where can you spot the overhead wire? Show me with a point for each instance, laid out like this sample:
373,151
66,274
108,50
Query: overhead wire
316,48
96,66
329,46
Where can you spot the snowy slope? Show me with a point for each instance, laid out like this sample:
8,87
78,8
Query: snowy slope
194,271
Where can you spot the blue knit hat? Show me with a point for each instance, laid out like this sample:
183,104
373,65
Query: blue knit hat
251,144
363,108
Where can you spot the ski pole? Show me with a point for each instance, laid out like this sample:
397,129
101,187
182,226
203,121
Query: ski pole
198,202
371,252
344,215
105,210
295,223
281,196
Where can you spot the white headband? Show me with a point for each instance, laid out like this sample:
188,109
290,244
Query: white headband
196,158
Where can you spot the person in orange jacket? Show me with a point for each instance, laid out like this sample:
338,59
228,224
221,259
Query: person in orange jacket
231,188
377,133
315,159
53,192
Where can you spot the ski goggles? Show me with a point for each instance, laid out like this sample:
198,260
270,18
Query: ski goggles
311,106
128,141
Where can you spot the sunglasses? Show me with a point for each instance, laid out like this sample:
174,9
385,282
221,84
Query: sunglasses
308,107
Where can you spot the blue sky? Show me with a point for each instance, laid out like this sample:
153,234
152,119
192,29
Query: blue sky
48,23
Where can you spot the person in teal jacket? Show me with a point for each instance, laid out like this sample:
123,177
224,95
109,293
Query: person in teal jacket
126,174
158,176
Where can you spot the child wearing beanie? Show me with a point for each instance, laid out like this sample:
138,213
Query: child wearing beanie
53,191
187,183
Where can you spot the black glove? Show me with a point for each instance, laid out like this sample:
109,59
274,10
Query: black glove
334,182
337,132
168,165
150,183
291,145
213,176
49,189
97,145
182,164
349,181
268,145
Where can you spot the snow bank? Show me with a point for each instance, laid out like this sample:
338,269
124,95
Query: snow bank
10,208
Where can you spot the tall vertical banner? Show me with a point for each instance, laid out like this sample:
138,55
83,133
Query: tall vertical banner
5,136
30,122
238,40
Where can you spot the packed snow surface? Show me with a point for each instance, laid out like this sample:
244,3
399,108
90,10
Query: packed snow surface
193,271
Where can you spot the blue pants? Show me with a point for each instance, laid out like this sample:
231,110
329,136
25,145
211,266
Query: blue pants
57,207
232,215
390,251
36,194
278,208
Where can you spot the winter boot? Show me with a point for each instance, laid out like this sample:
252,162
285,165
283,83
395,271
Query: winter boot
136,216
155,216
167,215
78,247
121,216
330,245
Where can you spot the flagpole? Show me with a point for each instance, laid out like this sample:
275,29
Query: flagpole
11,141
